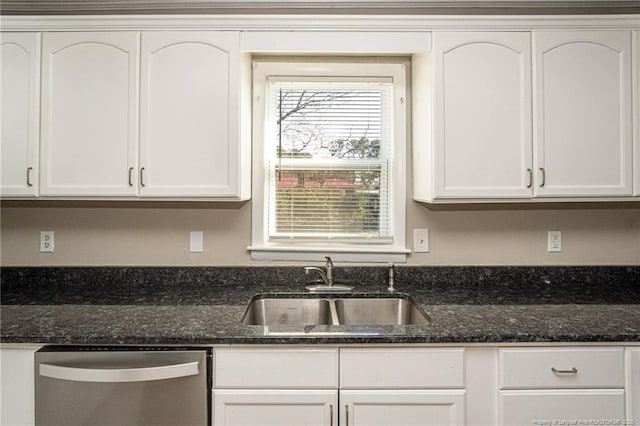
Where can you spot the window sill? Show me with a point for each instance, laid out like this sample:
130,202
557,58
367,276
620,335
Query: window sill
340,254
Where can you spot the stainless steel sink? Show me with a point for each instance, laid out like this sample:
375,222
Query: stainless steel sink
361,311
379,311
281,311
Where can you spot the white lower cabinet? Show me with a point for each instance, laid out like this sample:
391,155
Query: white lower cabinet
562,385
376,386
17,386
574,406
419,385
394,385
275,407
275,386
402,386
402,407
632,383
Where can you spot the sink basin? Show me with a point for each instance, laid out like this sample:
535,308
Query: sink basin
361,311
281,311
379,311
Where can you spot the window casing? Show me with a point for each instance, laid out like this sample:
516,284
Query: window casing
329,160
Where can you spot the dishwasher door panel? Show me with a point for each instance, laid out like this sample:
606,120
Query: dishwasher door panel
122,388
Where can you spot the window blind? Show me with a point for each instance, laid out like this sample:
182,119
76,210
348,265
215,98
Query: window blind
330,152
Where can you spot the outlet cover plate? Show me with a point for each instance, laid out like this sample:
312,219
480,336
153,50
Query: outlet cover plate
421,241
46,242
196,242
554,243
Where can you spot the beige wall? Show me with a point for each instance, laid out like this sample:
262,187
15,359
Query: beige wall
101,233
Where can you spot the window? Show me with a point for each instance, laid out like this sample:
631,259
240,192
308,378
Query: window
329,155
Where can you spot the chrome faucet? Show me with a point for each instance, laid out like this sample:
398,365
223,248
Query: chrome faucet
326,274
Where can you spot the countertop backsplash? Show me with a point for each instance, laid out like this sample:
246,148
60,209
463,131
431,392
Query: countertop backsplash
442,285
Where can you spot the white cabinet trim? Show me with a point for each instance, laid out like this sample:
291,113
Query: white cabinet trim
402,23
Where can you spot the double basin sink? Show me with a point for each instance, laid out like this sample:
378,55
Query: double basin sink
294,310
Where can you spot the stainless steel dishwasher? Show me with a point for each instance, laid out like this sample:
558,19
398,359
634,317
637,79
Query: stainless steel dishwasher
122,386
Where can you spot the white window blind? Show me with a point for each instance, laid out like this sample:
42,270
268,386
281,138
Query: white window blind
329,151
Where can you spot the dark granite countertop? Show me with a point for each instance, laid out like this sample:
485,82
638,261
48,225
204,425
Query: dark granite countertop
193,306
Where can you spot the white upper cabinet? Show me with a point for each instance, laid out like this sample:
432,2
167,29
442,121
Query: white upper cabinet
190,115
487,142
583,133
482,107
636,111
89,113
19,86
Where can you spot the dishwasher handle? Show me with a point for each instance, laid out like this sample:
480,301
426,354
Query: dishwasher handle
115,375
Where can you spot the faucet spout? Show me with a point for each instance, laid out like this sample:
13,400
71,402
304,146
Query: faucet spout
326,274
323,275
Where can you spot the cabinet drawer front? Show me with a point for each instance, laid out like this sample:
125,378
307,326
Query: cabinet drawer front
585,406
407,368
561,368
276,368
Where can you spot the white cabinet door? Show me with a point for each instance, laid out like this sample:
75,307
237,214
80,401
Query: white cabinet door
89,113
633,383
398,407
583,113
19,86
581,406
190,89
636,111
275,407
17,386
482,115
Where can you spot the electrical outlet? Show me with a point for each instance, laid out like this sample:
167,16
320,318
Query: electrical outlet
46,242
196,242
555,241
421,241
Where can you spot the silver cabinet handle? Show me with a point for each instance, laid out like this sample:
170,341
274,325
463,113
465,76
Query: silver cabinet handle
530,178
130,176
572,371
29,170
331,415
346,415
112,375
544,177
142,177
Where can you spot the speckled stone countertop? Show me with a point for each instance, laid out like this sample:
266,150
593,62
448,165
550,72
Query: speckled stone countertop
194,306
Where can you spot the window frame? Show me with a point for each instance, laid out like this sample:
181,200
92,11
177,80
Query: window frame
263,249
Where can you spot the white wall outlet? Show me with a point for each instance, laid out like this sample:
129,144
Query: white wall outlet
46,242
196,242
421,241
555,241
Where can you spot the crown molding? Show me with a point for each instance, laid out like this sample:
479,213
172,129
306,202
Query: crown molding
405,23
429,7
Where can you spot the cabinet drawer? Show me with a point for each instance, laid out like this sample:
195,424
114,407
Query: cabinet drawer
564,406
561,368
275,368
407,368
